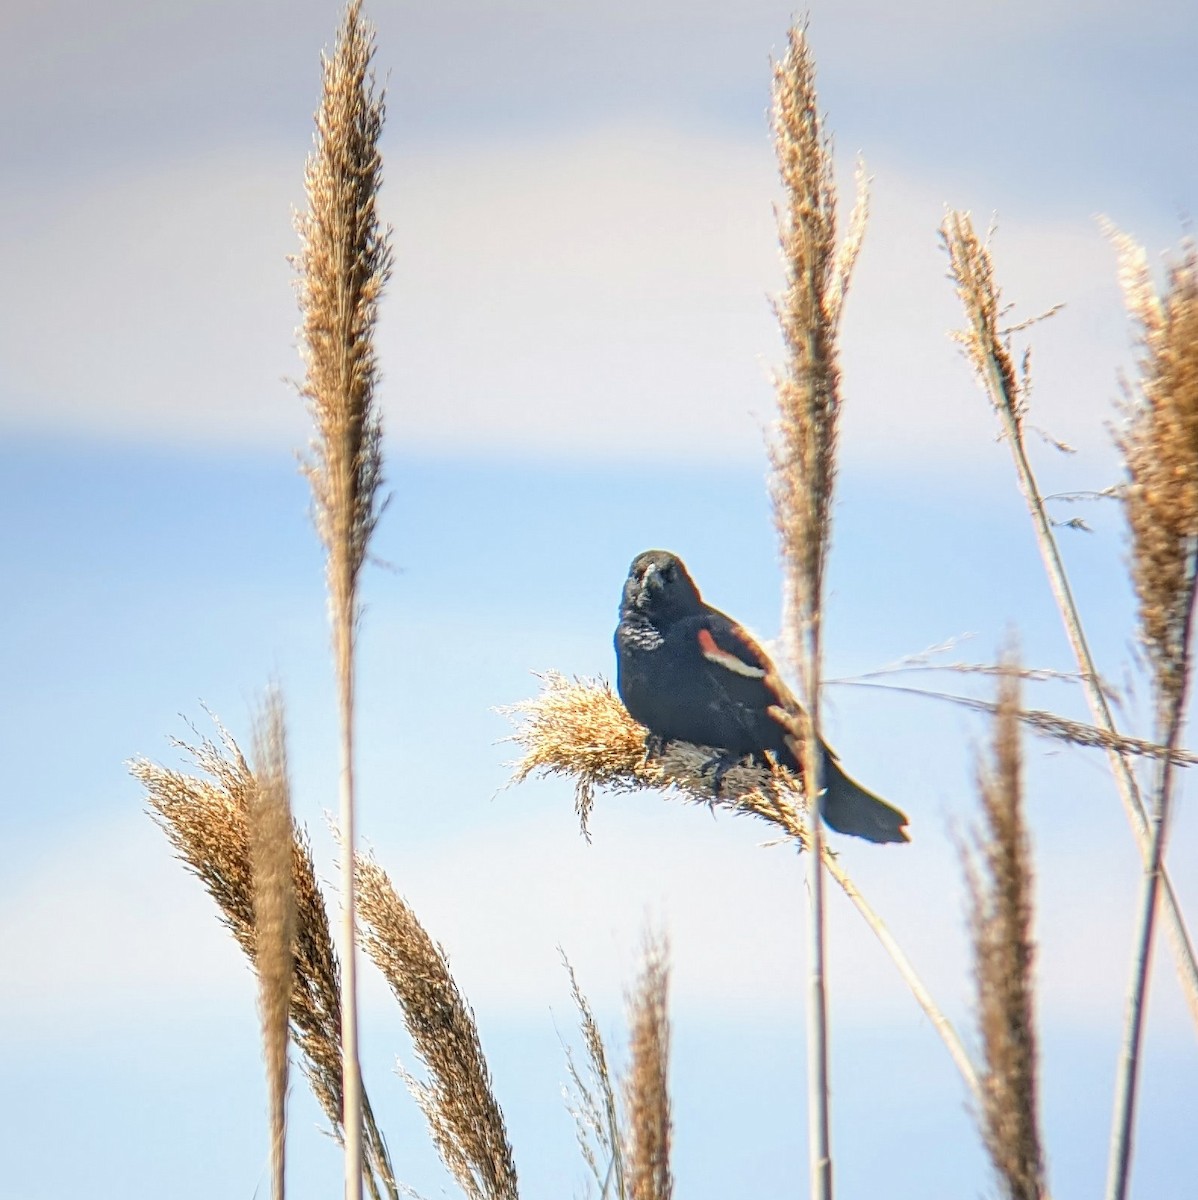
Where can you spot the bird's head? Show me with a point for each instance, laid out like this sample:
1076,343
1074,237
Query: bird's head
659,588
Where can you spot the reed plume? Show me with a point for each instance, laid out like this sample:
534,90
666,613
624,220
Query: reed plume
804,465
459,1104
986,345
646,1090
269,819
1160,449
596,1112
1000,889
206,819
343,264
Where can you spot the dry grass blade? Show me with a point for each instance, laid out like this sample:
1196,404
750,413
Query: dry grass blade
1160,450
206,820
459,1104
596,1116
647,1095
579,730
343,264
1000,887
987,349
269,817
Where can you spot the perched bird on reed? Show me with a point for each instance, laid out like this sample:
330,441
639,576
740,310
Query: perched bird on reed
688,672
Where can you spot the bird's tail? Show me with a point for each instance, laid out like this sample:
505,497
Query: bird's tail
849,808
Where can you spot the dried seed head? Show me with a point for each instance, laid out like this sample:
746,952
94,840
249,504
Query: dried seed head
1160,449
1000,888
343,264
458,1101
647,1096
803,452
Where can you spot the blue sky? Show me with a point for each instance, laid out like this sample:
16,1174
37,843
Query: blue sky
576,347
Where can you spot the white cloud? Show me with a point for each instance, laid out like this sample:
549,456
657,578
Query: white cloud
591,296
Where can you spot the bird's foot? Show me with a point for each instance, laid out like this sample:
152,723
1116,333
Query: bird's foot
719,765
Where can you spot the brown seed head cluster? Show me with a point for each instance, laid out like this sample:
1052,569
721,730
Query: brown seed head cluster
458,1102
984,342
595,1111
271,854
646,1092
343,265
1160,448
1000,888
206,819
808,311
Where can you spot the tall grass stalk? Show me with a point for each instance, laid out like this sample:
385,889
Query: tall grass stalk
269,819
343,263
1160,448
973,272
804,459
999,878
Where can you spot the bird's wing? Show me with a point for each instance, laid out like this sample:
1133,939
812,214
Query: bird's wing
725,644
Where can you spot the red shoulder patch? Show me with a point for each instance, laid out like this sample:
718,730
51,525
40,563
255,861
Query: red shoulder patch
715,653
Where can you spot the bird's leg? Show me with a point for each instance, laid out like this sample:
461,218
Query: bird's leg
720,764
655,746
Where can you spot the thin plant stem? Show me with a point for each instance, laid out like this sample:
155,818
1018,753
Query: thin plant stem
992,364
1123,1120
943,1026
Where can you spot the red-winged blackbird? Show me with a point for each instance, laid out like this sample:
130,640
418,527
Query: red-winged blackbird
688,672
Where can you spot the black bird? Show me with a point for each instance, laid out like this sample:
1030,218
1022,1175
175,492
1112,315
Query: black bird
688,672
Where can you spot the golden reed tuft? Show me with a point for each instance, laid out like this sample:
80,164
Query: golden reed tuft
269,818
1000,921
463,1116
1160,449
206,820
646,1090
596,1113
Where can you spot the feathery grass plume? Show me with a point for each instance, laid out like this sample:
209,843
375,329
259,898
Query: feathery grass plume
646,1090
1000,919
596,1114
459,1104
579,730
804,462
206,820
986,346
1160,448
269,819
343,264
